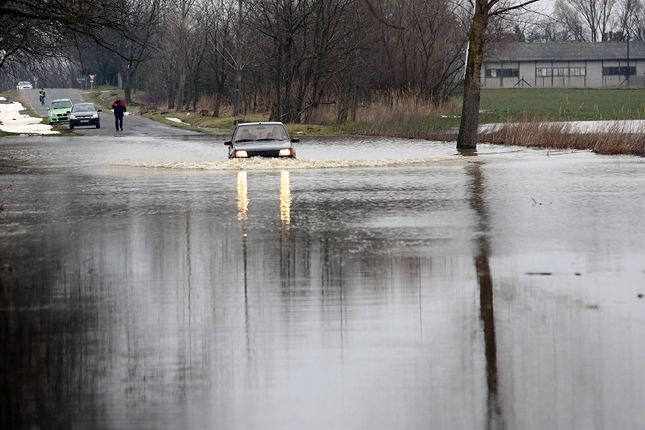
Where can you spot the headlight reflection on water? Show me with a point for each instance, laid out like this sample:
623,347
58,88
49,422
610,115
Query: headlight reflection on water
242,197
285,197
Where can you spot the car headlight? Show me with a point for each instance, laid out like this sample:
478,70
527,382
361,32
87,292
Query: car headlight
96,115
72,116
241,154
285,152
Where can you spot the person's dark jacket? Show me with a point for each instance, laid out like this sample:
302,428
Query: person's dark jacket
119,108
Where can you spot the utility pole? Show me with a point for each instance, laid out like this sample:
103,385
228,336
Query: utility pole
629,72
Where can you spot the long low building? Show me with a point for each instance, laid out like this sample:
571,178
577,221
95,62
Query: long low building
564,65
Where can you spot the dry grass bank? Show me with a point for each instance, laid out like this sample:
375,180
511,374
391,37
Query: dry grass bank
405,116
615,141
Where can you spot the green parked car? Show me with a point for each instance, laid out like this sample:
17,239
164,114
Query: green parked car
59,111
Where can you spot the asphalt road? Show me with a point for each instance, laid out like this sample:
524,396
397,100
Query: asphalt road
132,124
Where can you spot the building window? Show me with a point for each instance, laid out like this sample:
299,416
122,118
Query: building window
619,71
544,72
504,73
577,71
547,72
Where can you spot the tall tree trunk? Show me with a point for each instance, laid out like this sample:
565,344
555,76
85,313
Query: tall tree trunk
467,138
127,91
237,90
354,103
218,103
181,87
128,78
276,106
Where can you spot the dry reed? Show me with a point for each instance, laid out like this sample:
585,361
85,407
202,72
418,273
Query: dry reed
615,141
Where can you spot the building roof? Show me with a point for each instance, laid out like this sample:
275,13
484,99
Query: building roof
564,51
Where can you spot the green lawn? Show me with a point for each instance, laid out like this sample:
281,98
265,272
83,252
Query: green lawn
562,104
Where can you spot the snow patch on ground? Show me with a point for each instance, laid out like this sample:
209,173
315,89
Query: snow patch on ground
12,121
177,120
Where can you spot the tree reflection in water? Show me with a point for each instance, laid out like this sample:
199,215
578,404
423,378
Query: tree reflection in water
495,418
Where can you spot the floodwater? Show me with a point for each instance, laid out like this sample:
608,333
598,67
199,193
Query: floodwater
371,284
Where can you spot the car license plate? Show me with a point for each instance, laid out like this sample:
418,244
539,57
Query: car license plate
85,120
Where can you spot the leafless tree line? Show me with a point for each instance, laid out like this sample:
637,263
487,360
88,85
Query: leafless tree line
36,36
589,21
287,57
292,57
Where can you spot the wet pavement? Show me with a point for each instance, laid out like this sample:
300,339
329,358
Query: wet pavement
133,125
149,283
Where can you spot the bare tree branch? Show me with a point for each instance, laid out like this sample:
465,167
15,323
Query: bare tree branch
511,8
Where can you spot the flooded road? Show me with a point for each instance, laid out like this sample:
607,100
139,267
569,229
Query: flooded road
371,284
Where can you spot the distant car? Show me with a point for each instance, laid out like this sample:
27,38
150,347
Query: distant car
59,111
84,114
261,139
24,85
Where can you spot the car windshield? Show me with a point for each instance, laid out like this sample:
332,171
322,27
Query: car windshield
253,132
84,108
61,105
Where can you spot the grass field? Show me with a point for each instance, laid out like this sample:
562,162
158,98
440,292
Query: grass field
511,105
407,120
505,105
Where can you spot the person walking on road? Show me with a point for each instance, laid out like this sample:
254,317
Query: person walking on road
41,93
118,106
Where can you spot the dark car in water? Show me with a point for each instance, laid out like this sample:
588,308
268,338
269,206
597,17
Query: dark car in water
84,114
261,139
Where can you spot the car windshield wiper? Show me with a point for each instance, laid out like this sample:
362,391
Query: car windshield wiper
266,139
244,140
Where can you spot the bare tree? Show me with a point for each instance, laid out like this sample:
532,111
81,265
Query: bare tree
422,46
179,25
144,16
31,28
484,10
586,20
220,48
627,18
636,21
282,22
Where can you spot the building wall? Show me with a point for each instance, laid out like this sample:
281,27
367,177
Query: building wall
559,74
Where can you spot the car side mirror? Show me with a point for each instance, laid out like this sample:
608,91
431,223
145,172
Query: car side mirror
227,143
69,111
100,110
295,140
